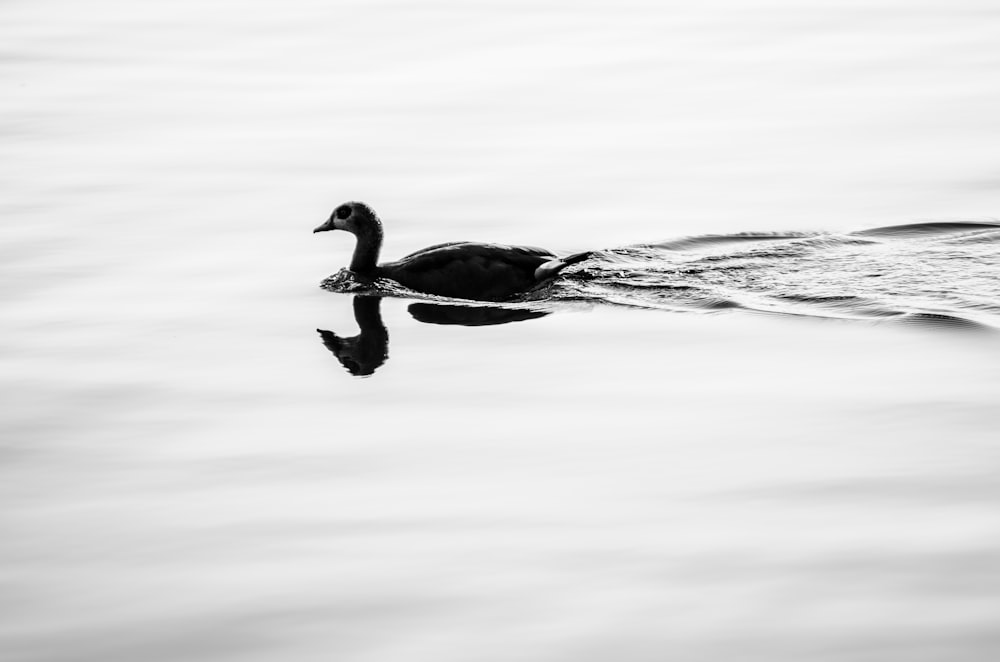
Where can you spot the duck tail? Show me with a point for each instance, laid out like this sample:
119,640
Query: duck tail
552,267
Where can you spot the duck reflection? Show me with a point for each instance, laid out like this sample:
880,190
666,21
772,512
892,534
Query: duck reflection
435,313
364,353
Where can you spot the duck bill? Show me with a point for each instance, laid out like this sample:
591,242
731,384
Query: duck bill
326,227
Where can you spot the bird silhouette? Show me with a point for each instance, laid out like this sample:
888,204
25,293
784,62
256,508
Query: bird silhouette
467,270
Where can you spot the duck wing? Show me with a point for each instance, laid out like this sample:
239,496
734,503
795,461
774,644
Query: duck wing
484,272
431,249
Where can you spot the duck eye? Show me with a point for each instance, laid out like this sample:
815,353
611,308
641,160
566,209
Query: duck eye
343,212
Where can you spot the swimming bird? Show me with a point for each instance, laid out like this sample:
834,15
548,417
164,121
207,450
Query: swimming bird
484,272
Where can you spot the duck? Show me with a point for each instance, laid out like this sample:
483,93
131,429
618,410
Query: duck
460,269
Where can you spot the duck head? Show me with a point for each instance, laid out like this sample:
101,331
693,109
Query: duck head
358,219
354,217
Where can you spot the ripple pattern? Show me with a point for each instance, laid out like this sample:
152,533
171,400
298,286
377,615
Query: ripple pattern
933,274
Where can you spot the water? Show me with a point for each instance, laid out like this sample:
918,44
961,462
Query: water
774,446
941,274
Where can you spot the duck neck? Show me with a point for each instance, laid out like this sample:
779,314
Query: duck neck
367,249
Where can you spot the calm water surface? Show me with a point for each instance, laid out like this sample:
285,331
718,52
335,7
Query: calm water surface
697,445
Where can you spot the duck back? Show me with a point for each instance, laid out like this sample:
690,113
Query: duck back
484,272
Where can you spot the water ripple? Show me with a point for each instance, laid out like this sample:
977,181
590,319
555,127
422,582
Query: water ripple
930,274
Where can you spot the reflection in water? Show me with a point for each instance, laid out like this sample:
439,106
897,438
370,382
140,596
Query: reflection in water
364,353
434,313
932,275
